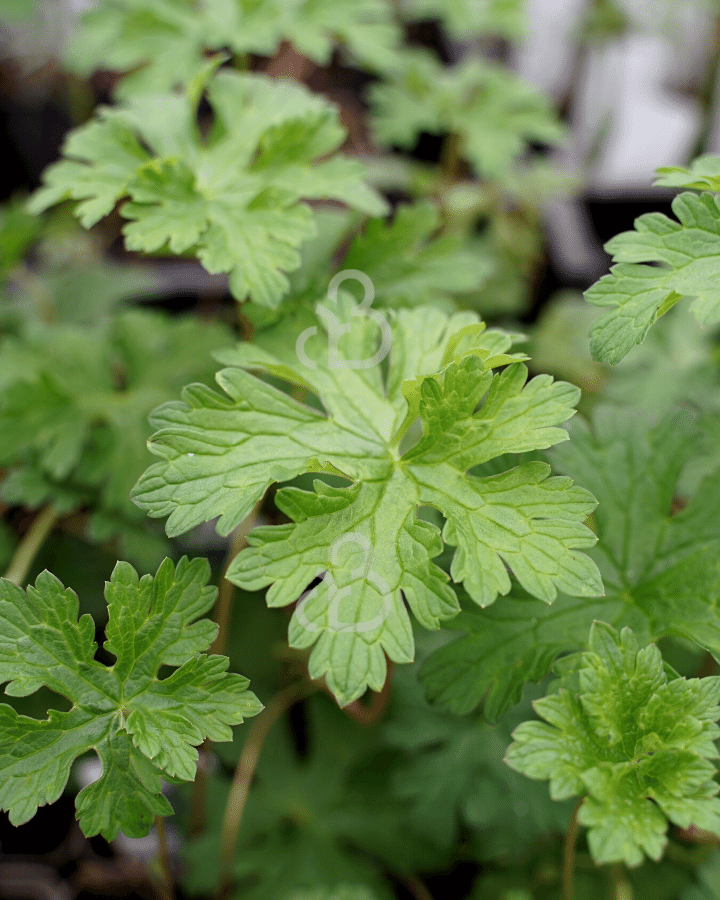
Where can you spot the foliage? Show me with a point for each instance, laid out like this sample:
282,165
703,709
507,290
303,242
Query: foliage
74,404
165,40
213,445
233,198
315,822
658,566
659,263
463,18
439,528
142,727
633,741
493,114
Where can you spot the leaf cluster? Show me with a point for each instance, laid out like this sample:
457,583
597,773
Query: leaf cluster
635,743
232,197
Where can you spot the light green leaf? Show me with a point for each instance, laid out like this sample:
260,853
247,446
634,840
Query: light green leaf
635,744
465,18
703,174
364,539
164,41
233,199
659,263
493,113
140,726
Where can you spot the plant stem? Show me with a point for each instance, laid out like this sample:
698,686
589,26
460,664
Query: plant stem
226,589
621,887
223,615
450,159
569,853
198,793
28,547
164,858
417,887
244,772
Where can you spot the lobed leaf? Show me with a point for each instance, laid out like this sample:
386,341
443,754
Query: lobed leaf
636,745
74,406
363,537
140,726
165,41
493,113
233,199
658,566
659,263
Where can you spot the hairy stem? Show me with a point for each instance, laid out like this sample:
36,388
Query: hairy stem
244,772
28,547
163,858
198,793
569,853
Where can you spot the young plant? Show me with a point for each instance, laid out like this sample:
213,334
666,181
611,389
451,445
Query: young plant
634,740
232,197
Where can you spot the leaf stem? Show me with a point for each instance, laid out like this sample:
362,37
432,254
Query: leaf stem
28,547
240,787
226,589
569,853
223,615
163,858
621,887
450,159
417,887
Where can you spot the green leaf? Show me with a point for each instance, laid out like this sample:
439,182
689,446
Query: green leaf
220,452
465,18
703,174
166,40
409,265
634,744
492,111
141,727
708,886
233,199
502,648
74,406
659,263
658,566
18,231
452,772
